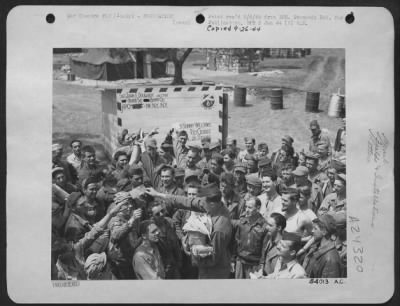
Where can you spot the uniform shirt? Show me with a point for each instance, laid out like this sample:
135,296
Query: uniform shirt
291,270
332,204
316,140
180,153
249,237
147,262
74,160
235,205
327,188
323,165
270,205
174,190
269,255
242,154
75,269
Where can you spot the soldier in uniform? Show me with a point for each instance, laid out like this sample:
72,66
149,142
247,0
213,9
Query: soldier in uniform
250,149
239,171
147,262
249,233
317,137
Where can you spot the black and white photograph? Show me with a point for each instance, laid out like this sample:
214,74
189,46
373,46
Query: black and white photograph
200,154
198,164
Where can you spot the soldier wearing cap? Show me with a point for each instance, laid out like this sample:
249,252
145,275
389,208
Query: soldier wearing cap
301,178
239,171
287,265
168,185
217,264
314,175
250,149
285,154
325,159
317,137
285,179
251,163
296,221
215,147
264,166
336,201
254,186
60,180
327,187
124,238
85,212
231,145
230,198
341,240
192,177
322,260
249,234
270,199
69,170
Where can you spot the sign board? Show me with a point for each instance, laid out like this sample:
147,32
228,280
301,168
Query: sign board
195,108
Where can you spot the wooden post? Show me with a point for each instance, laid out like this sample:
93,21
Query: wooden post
224,119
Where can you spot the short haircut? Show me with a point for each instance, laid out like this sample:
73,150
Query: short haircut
262,145
144,225
287,167
168,168
110,181
193,185
280,220
136,171
75,140
272,176
90,180
118,154
89,149
293,193
183,133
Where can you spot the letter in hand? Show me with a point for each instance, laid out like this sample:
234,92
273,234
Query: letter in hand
151,191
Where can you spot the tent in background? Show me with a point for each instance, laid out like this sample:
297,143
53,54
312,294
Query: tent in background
116,64
104,64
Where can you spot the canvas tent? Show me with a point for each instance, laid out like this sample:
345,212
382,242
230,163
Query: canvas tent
116,64
104,64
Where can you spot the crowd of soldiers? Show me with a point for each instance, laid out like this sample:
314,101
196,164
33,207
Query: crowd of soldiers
184,210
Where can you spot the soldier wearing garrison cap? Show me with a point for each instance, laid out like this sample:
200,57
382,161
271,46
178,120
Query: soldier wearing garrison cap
217,264
336,201
315,176
301,178
318,137
254,186
239,171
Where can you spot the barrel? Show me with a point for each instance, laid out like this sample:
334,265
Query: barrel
336,106
276,96
71,77
239,96
197,82
312,102
209,83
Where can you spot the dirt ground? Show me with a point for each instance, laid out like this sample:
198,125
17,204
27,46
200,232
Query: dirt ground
77,108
